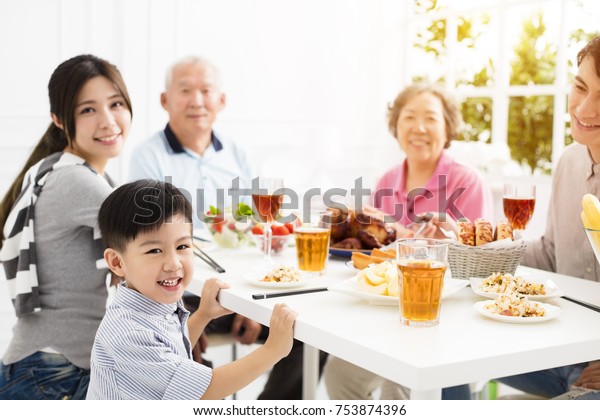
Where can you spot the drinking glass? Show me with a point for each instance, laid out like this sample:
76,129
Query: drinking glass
518,202
312,242
267,201
421,268
593,236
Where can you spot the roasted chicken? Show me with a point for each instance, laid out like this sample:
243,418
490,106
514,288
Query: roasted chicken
351,230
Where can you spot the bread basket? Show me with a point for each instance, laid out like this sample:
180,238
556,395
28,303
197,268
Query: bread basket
472,261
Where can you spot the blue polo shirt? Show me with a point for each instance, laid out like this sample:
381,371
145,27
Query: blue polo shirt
206,179
142,351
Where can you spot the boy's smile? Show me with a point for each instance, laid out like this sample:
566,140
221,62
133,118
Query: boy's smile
158,264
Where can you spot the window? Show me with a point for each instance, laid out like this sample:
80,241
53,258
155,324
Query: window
510,62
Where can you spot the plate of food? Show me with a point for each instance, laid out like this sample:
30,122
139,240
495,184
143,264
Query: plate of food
350,264
353,231
360,261
517,309
282,277
378,285
501,283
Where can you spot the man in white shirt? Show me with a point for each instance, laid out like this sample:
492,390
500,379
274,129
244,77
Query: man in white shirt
564,247
188,152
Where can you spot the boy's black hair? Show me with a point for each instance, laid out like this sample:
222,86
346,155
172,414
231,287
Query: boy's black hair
139,207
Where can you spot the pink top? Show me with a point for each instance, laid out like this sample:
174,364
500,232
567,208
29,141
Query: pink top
454,188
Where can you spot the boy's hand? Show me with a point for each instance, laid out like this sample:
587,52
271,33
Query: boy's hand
209,305
281,330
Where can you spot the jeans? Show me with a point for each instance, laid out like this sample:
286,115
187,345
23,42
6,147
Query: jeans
547,383
459,392
43,376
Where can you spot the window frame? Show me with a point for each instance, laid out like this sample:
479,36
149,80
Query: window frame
502,90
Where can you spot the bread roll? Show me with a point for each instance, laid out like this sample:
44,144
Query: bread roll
361,260
466,232
503,230
483,232
388,253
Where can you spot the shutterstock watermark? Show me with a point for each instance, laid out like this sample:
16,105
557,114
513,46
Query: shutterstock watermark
290,202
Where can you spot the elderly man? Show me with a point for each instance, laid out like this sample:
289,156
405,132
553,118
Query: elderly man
189,154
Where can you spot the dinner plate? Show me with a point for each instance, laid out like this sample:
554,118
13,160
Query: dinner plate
350,264
552,289
256,279
256,275
551,313
347,253
349,287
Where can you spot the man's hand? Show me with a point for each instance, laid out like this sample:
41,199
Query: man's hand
590,377
250,329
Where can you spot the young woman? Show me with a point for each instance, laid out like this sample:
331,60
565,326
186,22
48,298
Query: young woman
50,244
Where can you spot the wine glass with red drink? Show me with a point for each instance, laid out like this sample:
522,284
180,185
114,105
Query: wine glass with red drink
267,201
518,202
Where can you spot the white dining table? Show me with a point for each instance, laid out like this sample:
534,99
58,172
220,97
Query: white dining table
464,348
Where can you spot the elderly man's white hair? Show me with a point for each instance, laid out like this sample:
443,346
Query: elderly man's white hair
192,59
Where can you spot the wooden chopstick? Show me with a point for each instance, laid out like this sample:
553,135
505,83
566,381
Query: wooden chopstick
207,259
584,304
295,292
198,238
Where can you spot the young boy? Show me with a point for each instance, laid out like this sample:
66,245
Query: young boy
143,346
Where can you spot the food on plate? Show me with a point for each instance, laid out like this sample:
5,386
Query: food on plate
228,227
352,230
507,283
379,279
503,231
484,233
466,232
282,274
515,305
383,253
362,261
349,243
279,239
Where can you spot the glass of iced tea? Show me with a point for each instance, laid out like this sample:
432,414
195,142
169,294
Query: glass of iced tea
267,201
421,268
518,202
312,242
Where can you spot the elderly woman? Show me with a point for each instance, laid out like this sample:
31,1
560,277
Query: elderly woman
423,119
